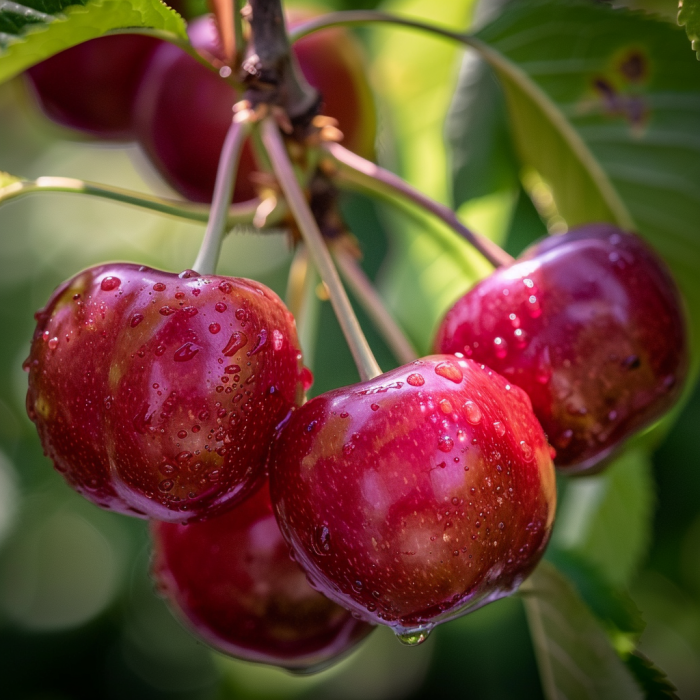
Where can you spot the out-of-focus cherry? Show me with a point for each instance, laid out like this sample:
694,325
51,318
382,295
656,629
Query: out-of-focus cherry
232,581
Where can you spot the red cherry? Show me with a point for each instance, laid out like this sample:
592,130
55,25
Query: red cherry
91,87
142,407
417,496
590,324
183,109
232,581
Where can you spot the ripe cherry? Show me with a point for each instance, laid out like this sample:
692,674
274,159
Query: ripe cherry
157,394
232,581
417,496
91,87
590,324
183,109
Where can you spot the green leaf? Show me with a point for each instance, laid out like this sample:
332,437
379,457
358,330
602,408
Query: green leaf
606,519
689,17
481,152
36,29
614,608
482,156
605,104
651,678
574,655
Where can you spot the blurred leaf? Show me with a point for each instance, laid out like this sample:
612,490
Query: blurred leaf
605,104
614,608
7,179
607,519
575,658
653,680
37,29
482,156
483,160
689,17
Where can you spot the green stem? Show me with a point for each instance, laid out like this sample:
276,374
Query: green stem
243,213
374,307
303,302
362,354
208,255
238,31
357,17
358,172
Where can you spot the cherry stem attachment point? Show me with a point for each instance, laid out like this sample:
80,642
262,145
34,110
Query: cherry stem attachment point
208,255
362,354
365,293
374,179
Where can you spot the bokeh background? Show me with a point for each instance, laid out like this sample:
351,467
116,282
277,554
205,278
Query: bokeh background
79,618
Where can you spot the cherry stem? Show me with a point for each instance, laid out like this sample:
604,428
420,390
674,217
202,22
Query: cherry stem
239,41
209,252
333,19
224,12
242,213
372,303
355,170
362,354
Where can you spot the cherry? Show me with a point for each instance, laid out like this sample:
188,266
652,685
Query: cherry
590,324
417,496
91,87
232,581
183,109
157,394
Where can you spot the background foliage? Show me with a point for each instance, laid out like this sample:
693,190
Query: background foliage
548,124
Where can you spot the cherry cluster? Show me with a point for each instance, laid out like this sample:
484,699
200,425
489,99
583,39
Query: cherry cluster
408,499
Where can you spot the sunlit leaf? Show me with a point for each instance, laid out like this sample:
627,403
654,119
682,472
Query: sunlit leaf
36,29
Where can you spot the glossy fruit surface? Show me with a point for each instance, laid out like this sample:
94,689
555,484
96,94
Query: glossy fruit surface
157,394
91,87
590,324
183,110
417,496
232,581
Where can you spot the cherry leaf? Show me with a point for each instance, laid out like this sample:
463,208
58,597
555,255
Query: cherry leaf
34,30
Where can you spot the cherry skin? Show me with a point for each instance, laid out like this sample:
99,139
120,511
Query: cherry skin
232,581
157,394
418,496
591,325
91,87
183,109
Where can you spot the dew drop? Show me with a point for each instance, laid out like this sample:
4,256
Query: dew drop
445,443
232,369
473,412
53,343
450,371
375,406
220,307
136,319
182,434
166,485
214,328
237,341
226,287
186,352
412,638
110,283
259,343
415,379
322,541
166,311
307,378
499,428
445,406
158,287
526,450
